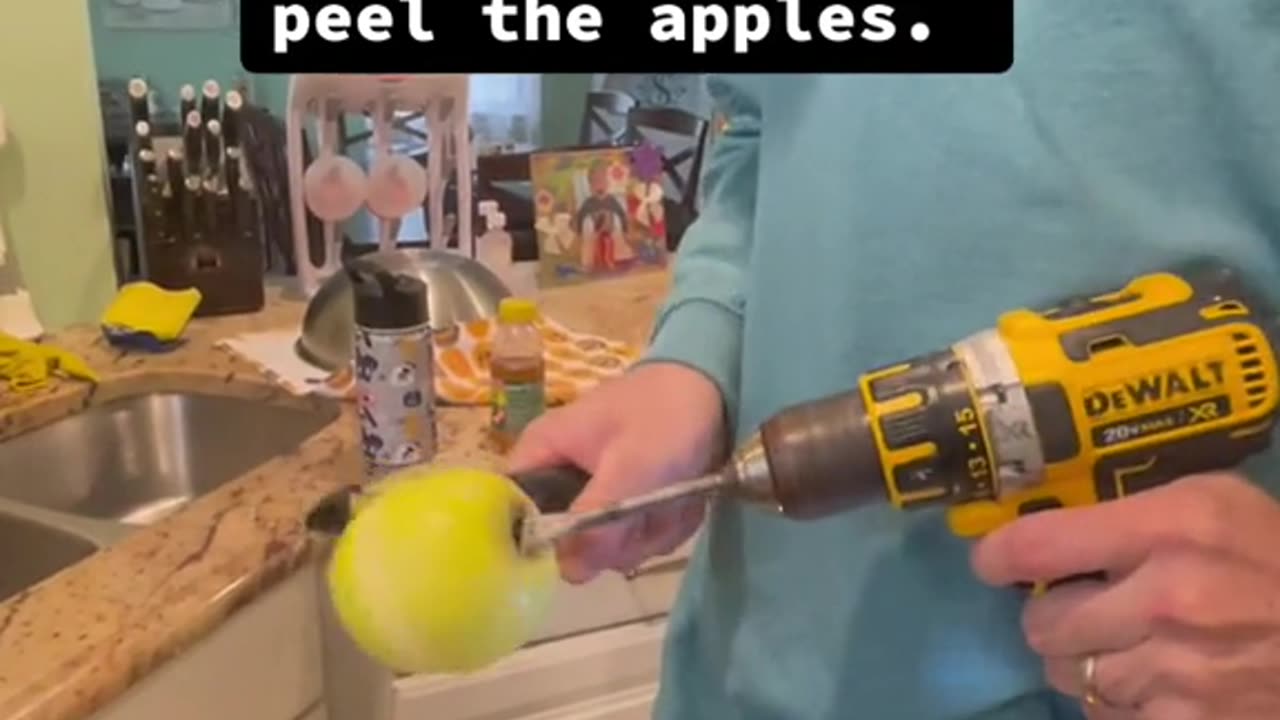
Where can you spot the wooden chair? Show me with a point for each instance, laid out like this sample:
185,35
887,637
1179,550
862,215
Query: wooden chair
606,112
682,169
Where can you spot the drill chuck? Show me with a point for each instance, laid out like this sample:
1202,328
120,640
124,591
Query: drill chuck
811,460
822,457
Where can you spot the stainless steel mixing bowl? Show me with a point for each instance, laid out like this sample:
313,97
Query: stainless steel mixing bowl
459,289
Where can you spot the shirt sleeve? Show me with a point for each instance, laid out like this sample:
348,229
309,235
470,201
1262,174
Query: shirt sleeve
700,324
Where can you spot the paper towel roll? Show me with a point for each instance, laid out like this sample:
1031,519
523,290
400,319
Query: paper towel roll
18,316
17,313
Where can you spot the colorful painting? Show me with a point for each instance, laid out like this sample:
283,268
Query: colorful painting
599,213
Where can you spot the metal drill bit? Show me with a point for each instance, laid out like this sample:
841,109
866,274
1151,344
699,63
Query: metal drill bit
541,531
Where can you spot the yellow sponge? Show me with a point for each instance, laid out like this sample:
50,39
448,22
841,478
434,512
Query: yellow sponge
146,310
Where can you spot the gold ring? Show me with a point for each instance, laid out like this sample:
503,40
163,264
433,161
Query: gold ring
1088,680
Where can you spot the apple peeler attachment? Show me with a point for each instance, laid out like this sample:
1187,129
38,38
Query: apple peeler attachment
537,532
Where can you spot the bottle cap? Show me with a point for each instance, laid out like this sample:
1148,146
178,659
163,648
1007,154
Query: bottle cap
386,300
517,311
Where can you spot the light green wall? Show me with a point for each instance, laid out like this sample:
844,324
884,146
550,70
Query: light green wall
52,184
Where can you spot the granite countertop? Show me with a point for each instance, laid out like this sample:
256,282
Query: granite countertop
77,641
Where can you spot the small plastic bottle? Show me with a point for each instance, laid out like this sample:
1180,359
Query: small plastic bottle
494,248
518,370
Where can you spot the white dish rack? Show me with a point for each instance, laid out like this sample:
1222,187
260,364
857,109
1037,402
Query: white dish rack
318,101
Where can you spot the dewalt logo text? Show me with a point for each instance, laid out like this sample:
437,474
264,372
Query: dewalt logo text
1150,389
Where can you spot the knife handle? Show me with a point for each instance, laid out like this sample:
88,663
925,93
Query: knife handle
231,119
210,102
193,145
231,166
213,151
553,490
186,102
139,101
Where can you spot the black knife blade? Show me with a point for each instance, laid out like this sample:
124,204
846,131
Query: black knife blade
221,213
213,154
146,155
231,108
239,214
215,219
192,144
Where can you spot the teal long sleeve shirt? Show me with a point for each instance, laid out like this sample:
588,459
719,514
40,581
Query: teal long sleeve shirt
854,221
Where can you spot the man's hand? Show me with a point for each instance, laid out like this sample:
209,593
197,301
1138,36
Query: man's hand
1186,625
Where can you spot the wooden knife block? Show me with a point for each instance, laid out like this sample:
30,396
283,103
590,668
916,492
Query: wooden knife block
227,274
225,264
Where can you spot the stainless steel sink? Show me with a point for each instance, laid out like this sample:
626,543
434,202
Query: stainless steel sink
34,551
79,484
137,459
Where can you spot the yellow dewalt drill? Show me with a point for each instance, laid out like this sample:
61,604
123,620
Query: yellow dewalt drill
1099,397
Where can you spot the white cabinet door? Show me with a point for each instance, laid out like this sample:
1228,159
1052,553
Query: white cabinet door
263,663
657,583
576,656
541,679
602,638
611,599
604,602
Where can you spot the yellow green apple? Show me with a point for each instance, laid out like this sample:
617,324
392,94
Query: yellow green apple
427,577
